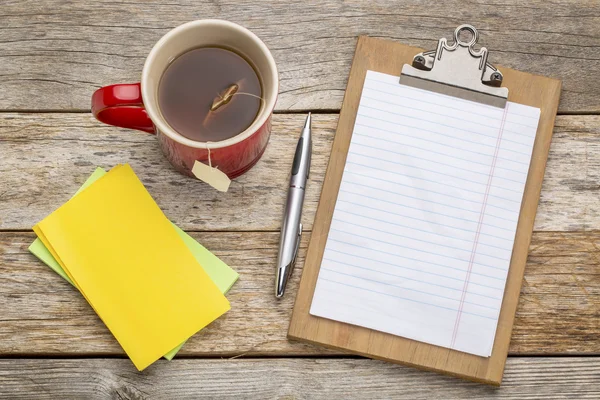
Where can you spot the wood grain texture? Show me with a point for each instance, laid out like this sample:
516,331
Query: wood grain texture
55,53
44,158
40,314
536,91
525,378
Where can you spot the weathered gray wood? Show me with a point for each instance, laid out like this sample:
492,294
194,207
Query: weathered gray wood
46,157
525,378
559,310
55,53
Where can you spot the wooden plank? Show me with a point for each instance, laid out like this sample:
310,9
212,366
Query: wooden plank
531,378
40,314
55,53
535,91
46,157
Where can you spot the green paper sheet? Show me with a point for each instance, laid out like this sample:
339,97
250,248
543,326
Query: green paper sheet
220,273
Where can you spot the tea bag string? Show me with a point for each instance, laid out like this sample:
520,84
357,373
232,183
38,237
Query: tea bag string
262,100
249,94
226,96
224,99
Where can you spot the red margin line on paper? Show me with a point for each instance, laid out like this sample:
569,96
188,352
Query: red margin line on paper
476,240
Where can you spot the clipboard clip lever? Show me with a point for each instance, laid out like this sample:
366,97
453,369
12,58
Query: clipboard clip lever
457,70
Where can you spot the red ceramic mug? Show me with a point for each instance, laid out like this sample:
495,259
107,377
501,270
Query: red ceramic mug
136,105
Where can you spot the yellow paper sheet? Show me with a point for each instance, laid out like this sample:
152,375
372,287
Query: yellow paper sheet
131,265
219,272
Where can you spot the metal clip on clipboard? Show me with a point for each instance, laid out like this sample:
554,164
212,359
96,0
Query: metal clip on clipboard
457,70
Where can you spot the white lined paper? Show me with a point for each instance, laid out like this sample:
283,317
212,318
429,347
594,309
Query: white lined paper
424,224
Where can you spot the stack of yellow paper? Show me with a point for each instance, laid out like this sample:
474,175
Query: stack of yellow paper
220,273
132,265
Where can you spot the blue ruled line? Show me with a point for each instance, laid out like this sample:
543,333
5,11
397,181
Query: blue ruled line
405,288
436,162
432,171
418,240
447,116
416,229
396,123
407,278
404,134
432,191
421,251
418,198
410,269
413,259
415,218
433,181
403,298
433,151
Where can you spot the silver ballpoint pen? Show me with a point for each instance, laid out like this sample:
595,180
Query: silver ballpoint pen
291,228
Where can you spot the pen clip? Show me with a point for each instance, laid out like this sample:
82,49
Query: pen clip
297,246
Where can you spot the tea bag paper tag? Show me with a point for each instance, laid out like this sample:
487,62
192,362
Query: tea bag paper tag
214,177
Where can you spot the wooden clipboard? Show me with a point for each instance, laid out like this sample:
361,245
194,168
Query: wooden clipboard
389,57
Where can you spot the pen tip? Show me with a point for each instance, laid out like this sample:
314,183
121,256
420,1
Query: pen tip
308,120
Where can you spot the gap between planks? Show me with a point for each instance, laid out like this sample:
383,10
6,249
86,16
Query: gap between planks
217,356
278,112
539,378
84,111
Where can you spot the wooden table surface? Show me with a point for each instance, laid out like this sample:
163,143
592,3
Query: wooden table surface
54,54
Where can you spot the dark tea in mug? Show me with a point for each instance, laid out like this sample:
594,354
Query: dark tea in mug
137,105
209,94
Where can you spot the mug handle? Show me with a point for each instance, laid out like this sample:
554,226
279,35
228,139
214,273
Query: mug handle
121,105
